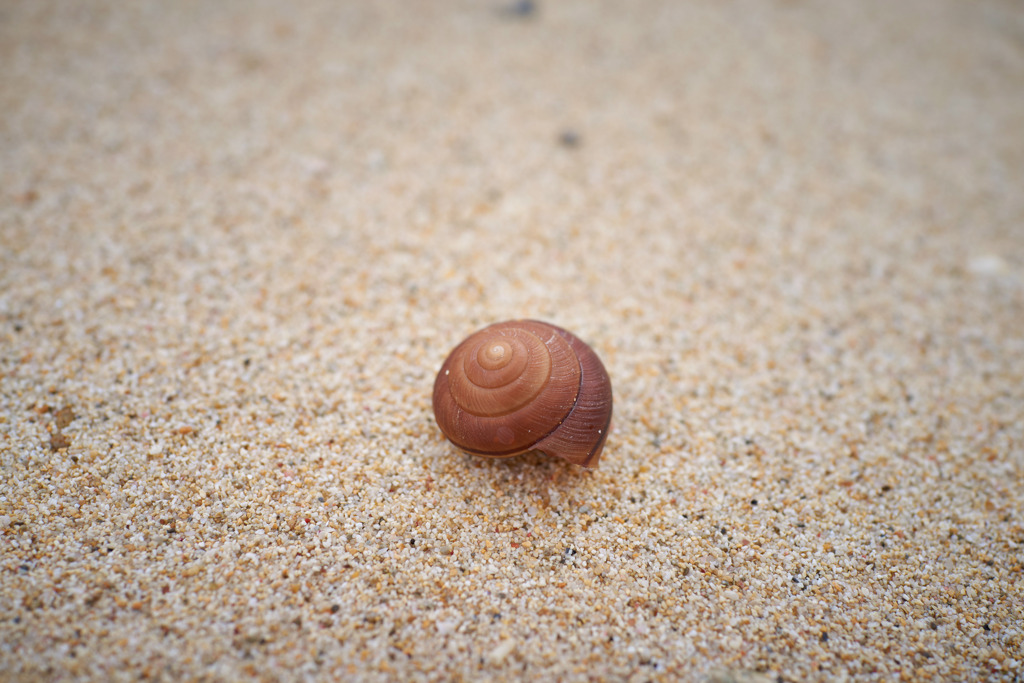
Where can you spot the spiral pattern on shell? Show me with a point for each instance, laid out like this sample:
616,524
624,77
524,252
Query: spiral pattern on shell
525,385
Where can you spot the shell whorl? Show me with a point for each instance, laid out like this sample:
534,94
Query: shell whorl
524,385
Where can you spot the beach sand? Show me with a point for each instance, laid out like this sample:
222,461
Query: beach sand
239,239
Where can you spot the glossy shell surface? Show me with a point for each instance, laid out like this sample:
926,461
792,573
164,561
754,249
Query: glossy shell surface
525,385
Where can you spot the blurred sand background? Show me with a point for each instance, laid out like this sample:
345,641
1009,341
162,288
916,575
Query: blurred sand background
239,238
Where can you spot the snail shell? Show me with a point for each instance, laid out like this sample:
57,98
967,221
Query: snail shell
525,385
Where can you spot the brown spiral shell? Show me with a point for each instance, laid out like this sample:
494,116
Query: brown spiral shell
525,385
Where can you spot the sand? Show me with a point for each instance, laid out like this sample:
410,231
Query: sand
239,239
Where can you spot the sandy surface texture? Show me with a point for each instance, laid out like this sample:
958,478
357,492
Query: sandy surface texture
239,238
